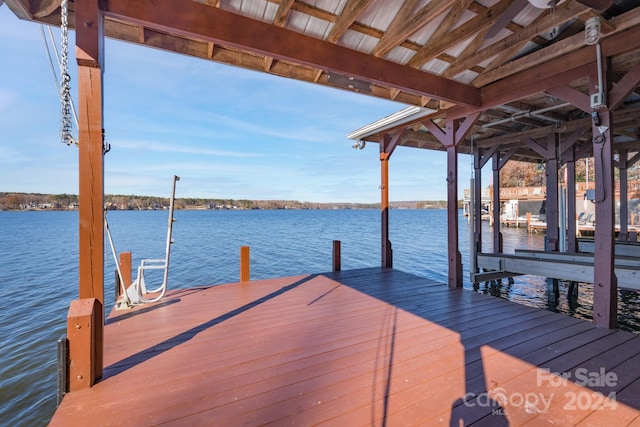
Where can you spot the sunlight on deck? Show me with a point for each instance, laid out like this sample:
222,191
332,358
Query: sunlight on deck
352,348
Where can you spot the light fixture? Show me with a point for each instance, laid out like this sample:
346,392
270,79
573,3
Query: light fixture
359,145
592,30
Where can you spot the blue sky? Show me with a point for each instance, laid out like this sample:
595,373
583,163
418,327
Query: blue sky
227,132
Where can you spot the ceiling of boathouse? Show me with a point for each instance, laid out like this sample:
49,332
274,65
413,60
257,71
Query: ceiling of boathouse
450,57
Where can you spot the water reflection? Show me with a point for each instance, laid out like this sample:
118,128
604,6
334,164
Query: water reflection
572,298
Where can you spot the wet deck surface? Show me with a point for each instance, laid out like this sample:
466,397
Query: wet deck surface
365,347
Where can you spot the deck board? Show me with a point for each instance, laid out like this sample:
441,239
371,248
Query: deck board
361,347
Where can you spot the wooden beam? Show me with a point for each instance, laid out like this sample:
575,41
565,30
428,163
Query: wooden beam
191,19
280,19
572,267
440,33
89,55
349,14
572,96
506,47
566,148
464,31
401,27
561,48
624,87
505,157
43,8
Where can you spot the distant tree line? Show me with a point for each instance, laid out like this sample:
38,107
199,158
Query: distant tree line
37,201
527,174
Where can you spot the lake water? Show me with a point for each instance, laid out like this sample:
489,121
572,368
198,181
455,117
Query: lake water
39,253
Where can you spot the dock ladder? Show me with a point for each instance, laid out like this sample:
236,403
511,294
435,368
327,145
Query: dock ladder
139,292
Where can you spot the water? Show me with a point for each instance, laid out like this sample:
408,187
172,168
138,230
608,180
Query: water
39,253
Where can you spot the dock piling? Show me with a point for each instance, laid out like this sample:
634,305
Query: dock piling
336,256
244,264
125,269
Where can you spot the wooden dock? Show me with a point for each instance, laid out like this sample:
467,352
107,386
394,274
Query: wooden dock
362,347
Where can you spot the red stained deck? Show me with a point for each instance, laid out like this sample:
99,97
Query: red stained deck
364,347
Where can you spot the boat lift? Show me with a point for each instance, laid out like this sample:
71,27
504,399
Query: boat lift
138,292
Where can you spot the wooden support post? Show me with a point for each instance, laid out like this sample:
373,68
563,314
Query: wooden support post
454,133
244,264
125,269
89,27
84,317
478,206
551,208
336,256
388,144
572,243
605,288
387,255
455,258
497,236
624,195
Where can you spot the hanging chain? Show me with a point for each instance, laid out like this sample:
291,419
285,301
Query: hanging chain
66,121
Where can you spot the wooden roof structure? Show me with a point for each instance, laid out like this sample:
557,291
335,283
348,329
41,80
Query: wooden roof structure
526,93
437,54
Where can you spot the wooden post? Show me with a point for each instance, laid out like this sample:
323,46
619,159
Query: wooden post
387,146
478,204
572,244
336,256
551,208
89,27
84,317
454,132
455,258
497,236
244,263
125,269
605,288
624,195
384,210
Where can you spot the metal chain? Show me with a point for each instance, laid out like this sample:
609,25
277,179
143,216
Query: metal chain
66,121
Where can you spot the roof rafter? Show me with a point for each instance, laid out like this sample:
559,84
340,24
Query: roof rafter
508,47
454,15
558,49
191,19
401,28
349,14
452,38
280,19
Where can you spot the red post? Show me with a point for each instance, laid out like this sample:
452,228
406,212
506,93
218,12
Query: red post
84,317
89,26
244,263
336,255
125,269
387,260
455,258
605,288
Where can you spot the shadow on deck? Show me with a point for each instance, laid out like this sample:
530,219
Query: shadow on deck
361,347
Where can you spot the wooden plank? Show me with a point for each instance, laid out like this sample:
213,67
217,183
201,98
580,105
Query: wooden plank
630,249
566,266
370,346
